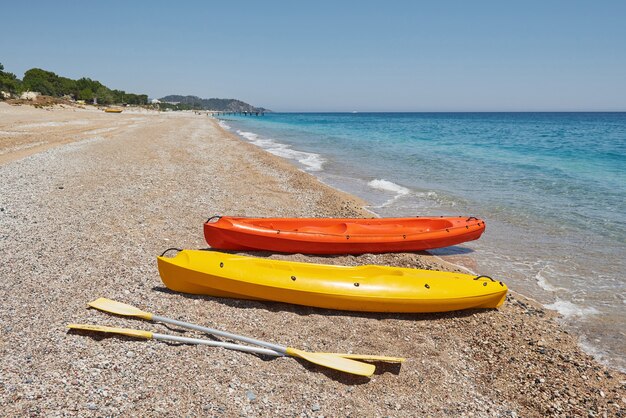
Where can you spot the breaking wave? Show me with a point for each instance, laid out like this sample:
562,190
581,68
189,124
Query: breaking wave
310,160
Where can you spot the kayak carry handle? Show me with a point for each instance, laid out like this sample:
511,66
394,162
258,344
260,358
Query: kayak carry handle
470,218
486,277
169,249
213,217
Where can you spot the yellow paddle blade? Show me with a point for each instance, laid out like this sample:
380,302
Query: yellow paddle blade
367,357
333,361
123,331
119,308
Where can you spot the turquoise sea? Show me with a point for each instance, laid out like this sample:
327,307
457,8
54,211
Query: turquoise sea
551,187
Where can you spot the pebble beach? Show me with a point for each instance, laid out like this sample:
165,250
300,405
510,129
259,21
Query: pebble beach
89,199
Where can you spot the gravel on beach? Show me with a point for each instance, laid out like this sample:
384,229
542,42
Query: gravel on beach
85,214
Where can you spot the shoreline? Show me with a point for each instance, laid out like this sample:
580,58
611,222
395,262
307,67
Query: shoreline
86,219
441,263
362,204
602,345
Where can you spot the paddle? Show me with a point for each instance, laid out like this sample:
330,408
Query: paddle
322,359
172,338
119,308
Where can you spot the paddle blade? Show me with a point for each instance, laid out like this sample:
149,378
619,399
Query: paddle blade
333,361
367,357
110,330
119,308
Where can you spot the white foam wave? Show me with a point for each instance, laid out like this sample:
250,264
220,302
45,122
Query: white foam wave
250,136
311,161
571,310
543,282
389,186
431,195
224,125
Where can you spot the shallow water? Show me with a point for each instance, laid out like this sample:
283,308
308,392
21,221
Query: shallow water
551,186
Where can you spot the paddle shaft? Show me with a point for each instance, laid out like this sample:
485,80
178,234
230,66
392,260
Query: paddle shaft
278,349
230,346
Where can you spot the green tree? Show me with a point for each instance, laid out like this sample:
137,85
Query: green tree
67,86
104,95
8,81
48,83
45,82
138,99
120,96
85,94
88,83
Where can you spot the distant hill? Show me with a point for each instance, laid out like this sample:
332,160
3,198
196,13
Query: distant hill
225,105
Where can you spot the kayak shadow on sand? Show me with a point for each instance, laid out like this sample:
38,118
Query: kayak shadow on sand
301,310
384,259
451,250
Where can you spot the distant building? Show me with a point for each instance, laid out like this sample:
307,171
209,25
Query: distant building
155,101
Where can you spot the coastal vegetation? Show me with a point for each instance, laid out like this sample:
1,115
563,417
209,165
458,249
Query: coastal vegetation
51,84
8,81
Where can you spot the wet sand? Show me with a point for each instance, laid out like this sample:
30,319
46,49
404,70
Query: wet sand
89,199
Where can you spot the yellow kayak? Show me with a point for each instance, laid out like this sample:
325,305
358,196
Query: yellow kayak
363,288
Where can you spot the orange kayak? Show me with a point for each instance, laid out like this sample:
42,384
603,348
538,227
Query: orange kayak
340,236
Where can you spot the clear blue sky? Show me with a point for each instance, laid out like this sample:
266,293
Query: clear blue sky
334,55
